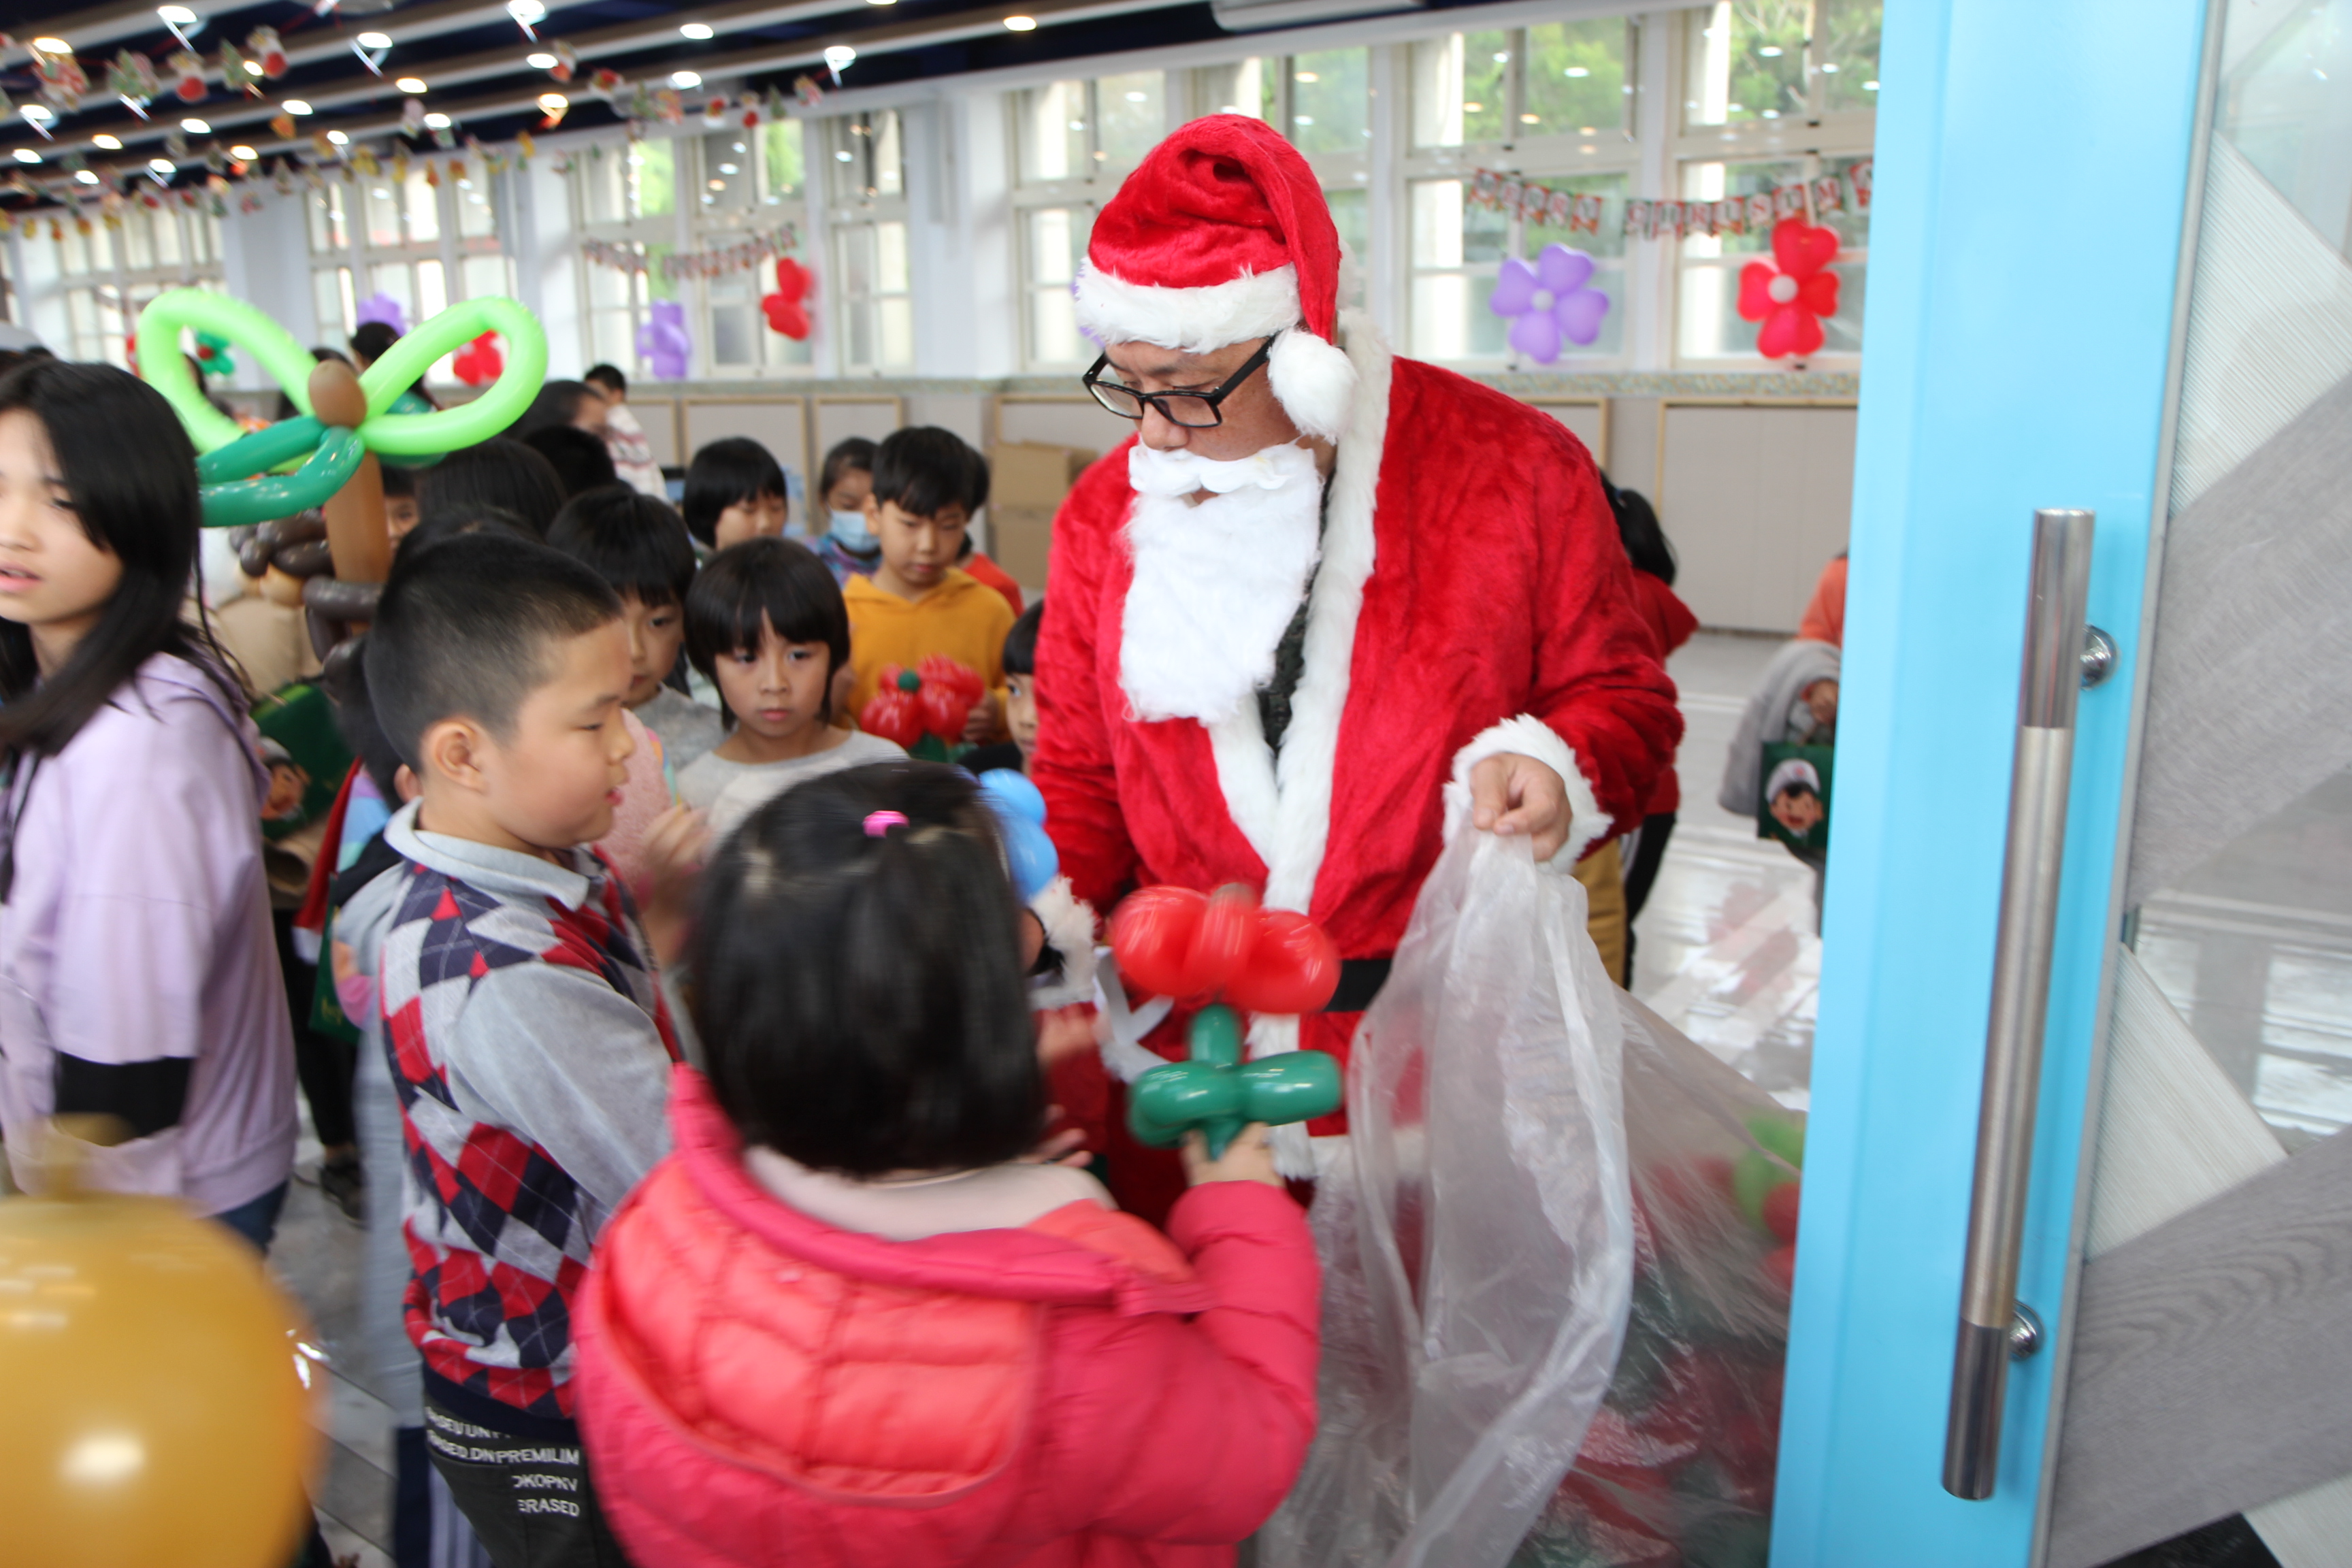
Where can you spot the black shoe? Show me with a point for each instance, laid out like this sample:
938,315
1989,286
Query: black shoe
345,1184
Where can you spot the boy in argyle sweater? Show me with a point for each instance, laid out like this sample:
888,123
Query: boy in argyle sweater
522,1017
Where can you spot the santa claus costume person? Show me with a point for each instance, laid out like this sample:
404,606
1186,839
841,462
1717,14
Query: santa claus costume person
1319,583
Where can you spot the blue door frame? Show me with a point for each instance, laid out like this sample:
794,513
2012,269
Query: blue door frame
2033,162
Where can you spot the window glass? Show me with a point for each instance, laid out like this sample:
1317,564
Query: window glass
1133,116
1242,87
1457,248
476,218
1052,132
1055,240
1460,86
889,176
1845,53
168,250
328,287
422,202
484,276
1747,62
785,167
729,182
1329,100
1351,216
380,212
649,180
138,242
1575,79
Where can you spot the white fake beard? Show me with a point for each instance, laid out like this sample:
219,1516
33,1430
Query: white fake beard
1216,580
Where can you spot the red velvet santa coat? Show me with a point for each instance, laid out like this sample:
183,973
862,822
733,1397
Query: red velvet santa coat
1473,599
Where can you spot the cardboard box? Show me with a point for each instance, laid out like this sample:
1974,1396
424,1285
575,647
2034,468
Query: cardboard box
1020,539
1033,473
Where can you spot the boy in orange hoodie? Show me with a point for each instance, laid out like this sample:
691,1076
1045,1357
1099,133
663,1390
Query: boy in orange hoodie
927,485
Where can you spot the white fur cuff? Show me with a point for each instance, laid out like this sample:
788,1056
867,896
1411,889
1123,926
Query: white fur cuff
1528,736
1069,922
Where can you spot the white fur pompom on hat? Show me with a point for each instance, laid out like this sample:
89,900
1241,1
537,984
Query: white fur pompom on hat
1221,235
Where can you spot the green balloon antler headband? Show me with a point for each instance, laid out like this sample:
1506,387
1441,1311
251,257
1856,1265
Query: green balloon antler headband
397,425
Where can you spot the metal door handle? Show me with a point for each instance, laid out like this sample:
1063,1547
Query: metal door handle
2060,661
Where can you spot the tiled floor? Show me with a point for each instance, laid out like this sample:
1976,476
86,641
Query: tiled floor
318,1253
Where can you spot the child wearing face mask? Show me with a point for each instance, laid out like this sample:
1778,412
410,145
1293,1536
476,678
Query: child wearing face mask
765,622
734,491
848,547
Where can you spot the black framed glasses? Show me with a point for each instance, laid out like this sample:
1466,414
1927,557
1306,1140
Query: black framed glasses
1193,410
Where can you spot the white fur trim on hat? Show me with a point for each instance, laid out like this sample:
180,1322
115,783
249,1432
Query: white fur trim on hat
1190,320
1528,736
1314,381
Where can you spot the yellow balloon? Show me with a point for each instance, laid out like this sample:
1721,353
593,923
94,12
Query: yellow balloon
153,1413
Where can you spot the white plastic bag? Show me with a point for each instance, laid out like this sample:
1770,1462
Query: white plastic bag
1477,1243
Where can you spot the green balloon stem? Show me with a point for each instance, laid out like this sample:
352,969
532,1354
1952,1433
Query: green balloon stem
909,681
1218,1093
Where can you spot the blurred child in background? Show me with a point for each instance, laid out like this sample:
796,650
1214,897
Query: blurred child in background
624,438
927,485
578,458
847,547
766,622
734,491
639,545
497,472
1019,697
1015,1371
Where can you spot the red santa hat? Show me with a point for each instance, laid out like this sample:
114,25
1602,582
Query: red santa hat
1222,235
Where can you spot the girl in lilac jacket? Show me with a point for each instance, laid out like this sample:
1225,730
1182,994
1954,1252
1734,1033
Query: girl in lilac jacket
138,974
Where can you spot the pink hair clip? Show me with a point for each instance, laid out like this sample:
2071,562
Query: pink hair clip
878,823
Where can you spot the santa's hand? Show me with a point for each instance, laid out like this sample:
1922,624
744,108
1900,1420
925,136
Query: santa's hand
1511,794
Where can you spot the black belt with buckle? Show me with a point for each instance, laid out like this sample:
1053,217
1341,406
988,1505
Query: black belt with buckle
1361,980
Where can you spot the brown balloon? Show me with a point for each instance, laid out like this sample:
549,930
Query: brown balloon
155,1413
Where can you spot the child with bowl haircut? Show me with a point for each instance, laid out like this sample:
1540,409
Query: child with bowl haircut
526,1034
918,603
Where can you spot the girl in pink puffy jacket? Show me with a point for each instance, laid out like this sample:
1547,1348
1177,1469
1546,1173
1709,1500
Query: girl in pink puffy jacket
846,1322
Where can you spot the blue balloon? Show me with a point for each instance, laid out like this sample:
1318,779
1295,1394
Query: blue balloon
1020,813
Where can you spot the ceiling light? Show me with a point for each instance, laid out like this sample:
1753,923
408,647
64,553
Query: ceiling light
1303,118
178,15
718,185
1830,68
26,155
243,153
41,113
381,195
1021,24
1466,108
881,2
111,143
1305,76
85,177
1531,119
554,103
437,121
1503,58
526,11
196,127
1575,71
164,166
1771,114
337,139
374,40
697,31
1770,51
1586,148
841,157
839,58
726,169
295,106
1870,87
539,62
685,78
410,84
1138,98
51,46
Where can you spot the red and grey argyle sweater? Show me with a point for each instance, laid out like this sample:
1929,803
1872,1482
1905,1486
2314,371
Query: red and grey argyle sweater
531,1048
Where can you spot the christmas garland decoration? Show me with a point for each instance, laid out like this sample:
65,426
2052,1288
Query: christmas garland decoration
716,261
1659,217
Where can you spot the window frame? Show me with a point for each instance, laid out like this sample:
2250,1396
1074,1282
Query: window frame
863,209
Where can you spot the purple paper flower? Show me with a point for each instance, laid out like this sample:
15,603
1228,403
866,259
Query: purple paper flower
382,308
1549,301
664,343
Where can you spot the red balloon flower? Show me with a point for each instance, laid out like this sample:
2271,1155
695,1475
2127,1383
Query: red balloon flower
1174,942
786,315
1791,298
479,361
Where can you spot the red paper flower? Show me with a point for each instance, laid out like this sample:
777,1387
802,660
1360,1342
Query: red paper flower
479,361
786,315
1791,298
